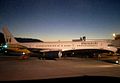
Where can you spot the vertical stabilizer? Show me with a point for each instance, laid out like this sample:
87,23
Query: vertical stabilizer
8,36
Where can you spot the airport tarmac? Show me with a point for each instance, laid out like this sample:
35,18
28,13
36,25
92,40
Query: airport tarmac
12,69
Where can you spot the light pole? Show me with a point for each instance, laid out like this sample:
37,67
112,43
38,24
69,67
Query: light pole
114,35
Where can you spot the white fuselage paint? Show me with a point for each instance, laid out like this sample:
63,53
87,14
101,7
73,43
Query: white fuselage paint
70,45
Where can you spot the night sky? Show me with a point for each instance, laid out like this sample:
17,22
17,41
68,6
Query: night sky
53,20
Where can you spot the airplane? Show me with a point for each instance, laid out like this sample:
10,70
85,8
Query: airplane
53,46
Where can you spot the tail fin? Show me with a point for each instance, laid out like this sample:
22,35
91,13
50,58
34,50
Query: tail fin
8,36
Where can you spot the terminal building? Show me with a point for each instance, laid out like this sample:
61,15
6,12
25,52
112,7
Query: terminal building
116,41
